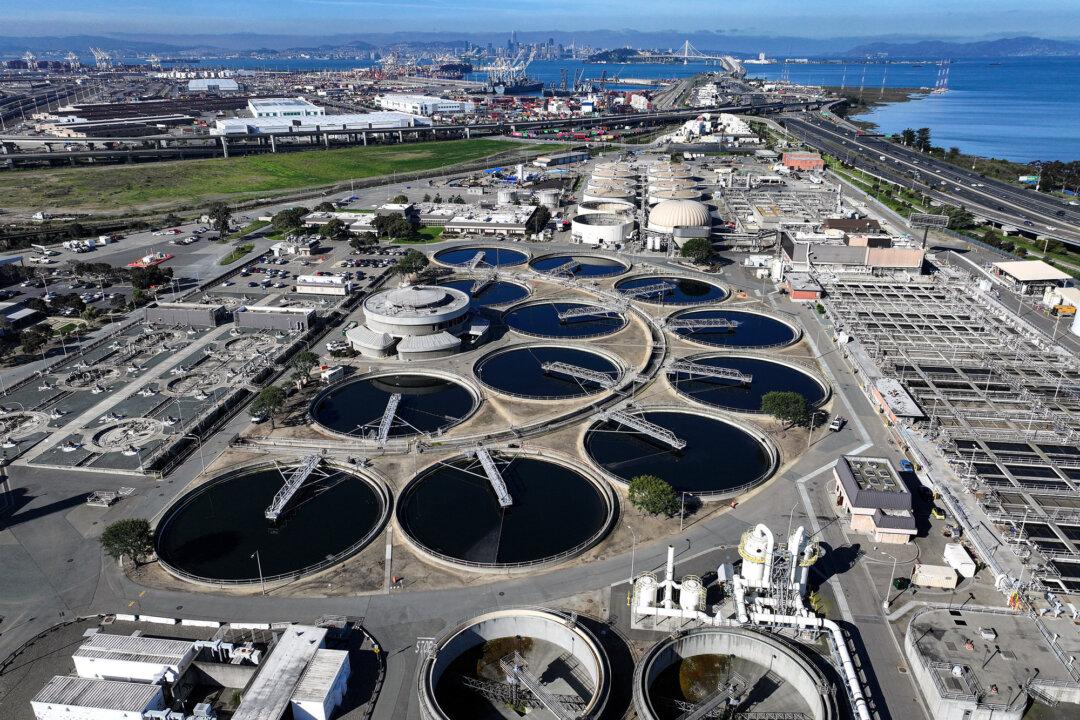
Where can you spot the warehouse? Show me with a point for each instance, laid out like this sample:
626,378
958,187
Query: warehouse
185,314
424,105
269,317
283,108
802,161
566,158
876,499
323,285
144,659
213,85
350,122
68,698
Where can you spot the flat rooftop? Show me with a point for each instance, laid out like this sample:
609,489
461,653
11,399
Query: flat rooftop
897,398
100,694
131,648
874,474
268,696
1030,271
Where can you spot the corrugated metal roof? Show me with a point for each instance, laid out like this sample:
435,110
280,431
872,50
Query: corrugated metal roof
104,694
135,649
269,694
320,675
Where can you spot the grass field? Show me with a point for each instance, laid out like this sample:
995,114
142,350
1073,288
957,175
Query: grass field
427,235
191,182
236,254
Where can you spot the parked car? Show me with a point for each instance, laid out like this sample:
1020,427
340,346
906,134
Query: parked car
837,423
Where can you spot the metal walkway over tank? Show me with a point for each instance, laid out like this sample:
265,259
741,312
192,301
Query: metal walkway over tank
643,426
689,367
494,476
566,268
388,417
296,478
600,378
603,307
701,323
480,283
476,260
517,671
720,703
659,288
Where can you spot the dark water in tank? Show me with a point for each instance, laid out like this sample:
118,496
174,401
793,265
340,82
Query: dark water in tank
753,330
588,265
428,404
542,319
452,509
216,533
519,372
498,292
717,457
493,256
767,377
686,291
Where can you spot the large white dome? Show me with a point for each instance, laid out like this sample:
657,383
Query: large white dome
680,214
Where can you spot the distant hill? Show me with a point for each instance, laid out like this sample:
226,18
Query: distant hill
618,55
1005,47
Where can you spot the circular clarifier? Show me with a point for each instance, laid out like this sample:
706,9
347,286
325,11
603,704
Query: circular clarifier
678,290
563,320
627,453
520,371
488,294
754,330
767,376
212,533
452,511
428,404
578,265
493,256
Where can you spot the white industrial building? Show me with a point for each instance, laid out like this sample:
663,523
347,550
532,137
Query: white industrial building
606,229
424,105
323,285
213,85
77,698
417,322
134,658
283,108
322,686
680,219
347,122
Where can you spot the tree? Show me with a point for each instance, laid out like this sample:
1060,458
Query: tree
539,220
130,538
363,240
335,230
400,199
960,218
908,137
303,362
922,139
697,249
953,153
785,405
289,220
34,338
220,216
325,206
427,197
411,262
652,495
437,198
173,219
269,401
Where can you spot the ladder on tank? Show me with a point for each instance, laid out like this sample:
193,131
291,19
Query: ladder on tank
494,476
388,417
475,261
296,478
659,288
517,671
691,368
603,308
567,268
600,378
701,323
643,426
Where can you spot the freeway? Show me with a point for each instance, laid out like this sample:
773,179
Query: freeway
1031,213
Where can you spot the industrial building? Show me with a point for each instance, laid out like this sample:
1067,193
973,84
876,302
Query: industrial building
350,122
336,285
77,698
416,322
185,314
283,108
875,498
424,105
851,254
140,659
1031,277
566,158
802,161
270,317
680,219
213,85
602,229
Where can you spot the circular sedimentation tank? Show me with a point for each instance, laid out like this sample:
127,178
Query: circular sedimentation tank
212,532
519,371
754,330
428,404
541,319
583,265
767,376
493,256
564,653
488,294
626,453
682,291
452,513
690,666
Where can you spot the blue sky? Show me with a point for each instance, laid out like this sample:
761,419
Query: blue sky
816,18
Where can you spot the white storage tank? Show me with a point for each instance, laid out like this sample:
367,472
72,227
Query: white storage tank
645,587
755,548
691,593
506,196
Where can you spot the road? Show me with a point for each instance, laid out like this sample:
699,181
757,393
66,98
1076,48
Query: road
1031,213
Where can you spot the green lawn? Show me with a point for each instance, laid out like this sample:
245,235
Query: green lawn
247,229
236,254
427,235
199,181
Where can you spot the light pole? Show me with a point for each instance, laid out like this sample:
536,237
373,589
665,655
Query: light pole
258,562
892,573
682,511
633,550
